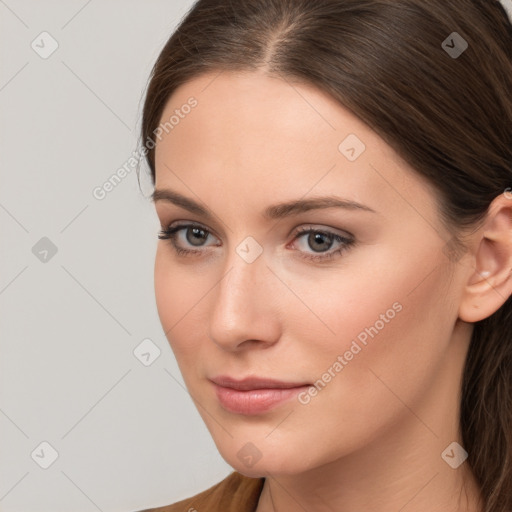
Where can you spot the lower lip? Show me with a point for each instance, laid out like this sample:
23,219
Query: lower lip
255,401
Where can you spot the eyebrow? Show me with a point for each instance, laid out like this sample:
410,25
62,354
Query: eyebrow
277,211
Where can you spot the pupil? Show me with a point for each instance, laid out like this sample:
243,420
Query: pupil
196,238
317,237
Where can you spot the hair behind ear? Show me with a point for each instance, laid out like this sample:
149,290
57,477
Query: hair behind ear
486,406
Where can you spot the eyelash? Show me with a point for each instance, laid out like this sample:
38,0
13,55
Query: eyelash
171,233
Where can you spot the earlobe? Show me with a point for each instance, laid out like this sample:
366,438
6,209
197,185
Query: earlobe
490,283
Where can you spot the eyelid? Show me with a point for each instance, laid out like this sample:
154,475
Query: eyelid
176,225
322,229
303,228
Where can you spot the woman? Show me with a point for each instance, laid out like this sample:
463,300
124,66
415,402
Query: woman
374,373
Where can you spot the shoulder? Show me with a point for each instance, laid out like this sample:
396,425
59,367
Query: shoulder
236,493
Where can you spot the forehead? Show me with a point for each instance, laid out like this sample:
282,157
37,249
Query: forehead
254,109
272,139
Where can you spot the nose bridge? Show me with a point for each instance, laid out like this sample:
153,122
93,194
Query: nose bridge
240,306
238,288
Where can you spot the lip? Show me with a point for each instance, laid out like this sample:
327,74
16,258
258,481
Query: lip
254,395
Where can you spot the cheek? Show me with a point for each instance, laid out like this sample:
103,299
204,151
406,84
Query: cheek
178,294
166,282
174,296
178,288
391,335
384,304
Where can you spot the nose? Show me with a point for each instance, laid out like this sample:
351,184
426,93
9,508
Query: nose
244,309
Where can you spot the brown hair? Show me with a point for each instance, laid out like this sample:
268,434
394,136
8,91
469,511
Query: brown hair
448,116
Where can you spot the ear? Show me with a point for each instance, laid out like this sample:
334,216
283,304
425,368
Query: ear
490,283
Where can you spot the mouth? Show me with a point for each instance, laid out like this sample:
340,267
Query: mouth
254,395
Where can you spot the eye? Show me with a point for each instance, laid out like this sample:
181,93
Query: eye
322,239
196,235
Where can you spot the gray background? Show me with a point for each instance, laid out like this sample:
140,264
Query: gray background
127,435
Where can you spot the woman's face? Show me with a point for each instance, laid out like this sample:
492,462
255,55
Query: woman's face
364,332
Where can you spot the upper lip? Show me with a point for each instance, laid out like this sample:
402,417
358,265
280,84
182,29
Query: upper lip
248,383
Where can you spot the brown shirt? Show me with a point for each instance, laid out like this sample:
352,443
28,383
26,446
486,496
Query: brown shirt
236,493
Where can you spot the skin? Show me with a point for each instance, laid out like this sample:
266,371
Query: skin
372,438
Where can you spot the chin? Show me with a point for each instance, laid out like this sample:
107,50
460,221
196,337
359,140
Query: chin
277,462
